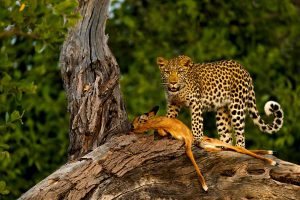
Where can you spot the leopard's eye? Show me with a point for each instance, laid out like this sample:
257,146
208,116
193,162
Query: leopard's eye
166,71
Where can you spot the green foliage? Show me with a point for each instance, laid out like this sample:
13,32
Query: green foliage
4,157
262,35
33,117
3,188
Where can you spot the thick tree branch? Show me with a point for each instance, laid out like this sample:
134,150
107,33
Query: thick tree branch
139,167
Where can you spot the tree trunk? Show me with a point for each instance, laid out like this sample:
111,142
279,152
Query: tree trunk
91,79
133,166
139,167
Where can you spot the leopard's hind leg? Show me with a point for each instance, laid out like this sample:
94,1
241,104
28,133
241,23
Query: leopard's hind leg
237,111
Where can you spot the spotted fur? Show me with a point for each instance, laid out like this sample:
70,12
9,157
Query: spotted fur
224,86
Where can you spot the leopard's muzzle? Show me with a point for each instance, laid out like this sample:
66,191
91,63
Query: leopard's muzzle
174,87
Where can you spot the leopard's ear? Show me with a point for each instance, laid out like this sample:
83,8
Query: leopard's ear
153,111
161,62
185,61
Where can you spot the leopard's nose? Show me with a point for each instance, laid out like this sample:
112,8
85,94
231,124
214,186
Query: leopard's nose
172,86
173,83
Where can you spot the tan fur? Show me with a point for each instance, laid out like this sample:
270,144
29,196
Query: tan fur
211,144
180,131
177,129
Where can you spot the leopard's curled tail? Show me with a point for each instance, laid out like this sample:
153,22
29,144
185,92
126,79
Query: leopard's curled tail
271,107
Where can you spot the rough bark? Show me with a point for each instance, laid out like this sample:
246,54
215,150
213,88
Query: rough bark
139,167
91,79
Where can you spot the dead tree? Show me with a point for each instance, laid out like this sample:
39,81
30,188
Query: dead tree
129,166
91,80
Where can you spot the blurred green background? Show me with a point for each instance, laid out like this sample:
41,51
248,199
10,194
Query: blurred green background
263,35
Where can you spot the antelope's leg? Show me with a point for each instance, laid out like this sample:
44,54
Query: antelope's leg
247,152
267,152
189,153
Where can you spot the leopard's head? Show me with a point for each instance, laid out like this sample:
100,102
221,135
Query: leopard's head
174,72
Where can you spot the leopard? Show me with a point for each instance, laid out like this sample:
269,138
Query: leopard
224,87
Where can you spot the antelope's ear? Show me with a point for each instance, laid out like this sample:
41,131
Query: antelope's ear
153,111
161,62
185,61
